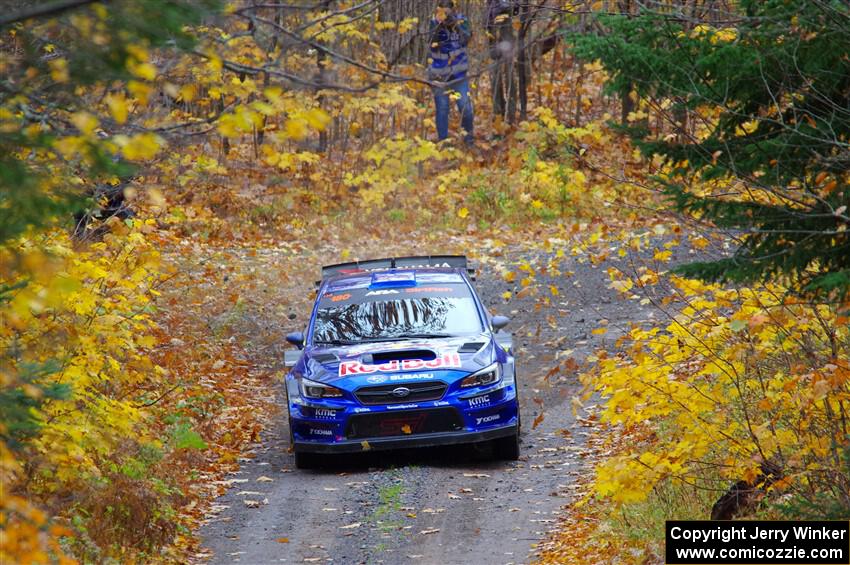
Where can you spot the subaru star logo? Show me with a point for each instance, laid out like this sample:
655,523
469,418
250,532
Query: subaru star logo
401,392
376,379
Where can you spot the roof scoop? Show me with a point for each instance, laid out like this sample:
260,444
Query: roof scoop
394,279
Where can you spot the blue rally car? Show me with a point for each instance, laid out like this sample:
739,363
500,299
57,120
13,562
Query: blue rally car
400,353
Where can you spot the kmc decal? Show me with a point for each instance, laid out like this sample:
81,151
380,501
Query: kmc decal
479,401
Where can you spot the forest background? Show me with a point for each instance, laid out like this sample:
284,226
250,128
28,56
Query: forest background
137,138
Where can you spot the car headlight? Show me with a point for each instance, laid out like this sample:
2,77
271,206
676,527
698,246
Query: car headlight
312,389
486,376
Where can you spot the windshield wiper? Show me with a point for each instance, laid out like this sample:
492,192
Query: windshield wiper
338,342
352,341
421,336
335,342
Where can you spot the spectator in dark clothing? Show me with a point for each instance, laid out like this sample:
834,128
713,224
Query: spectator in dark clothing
448,67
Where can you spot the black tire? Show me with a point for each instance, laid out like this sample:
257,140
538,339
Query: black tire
305,460
291,436
507,448
289,419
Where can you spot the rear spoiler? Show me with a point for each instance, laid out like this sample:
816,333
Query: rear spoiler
418,262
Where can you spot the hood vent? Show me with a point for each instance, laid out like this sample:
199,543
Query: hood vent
384,356
471,346
325,358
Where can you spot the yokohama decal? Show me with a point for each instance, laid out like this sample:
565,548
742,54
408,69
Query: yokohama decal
448,361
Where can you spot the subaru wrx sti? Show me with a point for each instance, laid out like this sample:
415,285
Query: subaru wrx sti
399,353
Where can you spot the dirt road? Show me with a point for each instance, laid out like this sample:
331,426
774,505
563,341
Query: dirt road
452,505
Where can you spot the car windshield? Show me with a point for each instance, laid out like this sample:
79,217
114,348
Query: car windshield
369,314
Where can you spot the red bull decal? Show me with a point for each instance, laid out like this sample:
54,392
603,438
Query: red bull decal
447,361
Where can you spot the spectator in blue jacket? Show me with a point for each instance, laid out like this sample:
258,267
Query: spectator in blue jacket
448,67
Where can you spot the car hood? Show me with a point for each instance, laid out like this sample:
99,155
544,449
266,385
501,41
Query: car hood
352,366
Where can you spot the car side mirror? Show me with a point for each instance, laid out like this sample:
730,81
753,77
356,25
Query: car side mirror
296,339
499,322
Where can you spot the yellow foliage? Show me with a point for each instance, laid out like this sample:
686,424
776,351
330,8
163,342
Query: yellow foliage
84,122
101,297
728,389
79,318
117,104
396,164
59,69
407,24
715,35
140,147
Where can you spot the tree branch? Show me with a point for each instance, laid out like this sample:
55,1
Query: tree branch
47,9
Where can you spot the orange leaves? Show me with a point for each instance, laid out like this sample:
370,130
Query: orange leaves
538,420
699,242
28,536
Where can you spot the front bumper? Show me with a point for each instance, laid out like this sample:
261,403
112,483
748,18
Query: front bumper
406,441
345,427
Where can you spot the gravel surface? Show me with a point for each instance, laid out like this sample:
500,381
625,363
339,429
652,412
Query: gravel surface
450,505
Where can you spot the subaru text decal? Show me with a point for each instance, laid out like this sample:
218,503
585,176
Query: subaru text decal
413,377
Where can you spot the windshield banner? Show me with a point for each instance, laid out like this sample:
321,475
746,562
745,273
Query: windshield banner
360,295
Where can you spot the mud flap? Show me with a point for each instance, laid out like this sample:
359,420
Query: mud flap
291,357
505,341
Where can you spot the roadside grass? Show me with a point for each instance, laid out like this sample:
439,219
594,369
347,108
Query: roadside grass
642,523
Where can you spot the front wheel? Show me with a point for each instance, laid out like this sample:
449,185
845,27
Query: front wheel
305,460
507,448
